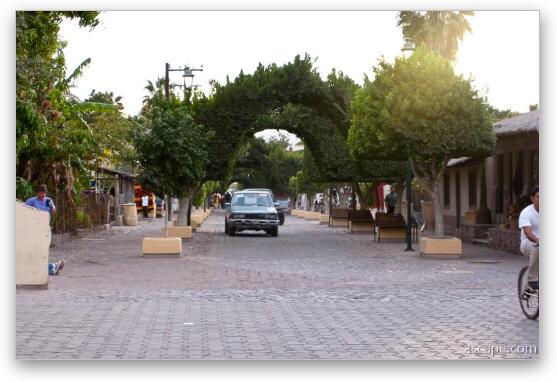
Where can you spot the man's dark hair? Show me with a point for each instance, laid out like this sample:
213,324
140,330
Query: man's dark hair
534,191
41,188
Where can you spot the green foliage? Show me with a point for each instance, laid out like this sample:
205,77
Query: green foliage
307,185
293,188
366,194
497,115
204,191
172,151
267,165
23,189
291,97
52,138
438,31
40,73
112,132
418,108
83,218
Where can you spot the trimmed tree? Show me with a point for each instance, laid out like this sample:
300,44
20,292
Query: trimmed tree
418,109
172,153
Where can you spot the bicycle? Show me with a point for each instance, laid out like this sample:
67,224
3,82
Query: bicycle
528,303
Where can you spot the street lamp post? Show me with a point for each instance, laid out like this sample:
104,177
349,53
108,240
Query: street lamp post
407,51
409,207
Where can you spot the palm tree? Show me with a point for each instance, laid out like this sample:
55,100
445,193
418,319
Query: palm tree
156,93
439,31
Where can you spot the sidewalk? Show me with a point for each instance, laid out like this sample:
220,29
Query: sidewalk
311,293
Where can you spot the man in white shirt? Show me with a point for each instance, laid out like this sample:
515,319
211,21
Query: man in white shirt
145,204
530,238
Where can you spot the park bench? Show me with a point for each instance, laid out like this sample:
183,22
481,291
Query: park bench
361,221
393,227
339,217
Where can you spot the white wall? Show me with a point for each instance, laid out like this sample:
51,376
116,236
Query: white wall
31,245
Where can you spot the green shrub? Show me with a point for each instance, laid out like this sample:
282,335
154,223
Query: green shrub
23,189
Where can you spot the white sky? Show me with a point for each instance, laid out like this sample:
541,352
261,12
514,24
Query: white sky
128,48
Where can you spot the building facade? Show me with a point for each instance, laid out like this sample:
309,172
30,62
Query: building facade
510,173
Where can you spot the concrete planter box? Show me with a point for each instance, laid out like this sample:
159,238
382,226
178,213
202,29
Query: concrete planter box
450,248
311,215
179,231
162,247
195,222
302,214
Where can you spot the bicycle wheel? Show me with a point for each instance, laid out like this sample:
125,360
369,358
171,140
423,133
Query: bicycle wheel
529,304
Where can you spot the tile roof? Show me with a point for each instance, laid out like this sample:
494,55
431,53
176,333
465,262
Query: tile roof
522,123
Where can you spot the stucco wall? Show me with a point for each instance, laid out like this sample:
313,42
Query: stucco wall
31,246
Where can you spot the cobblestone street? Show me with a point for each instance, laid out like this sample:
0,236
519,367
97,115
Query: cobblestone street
313,292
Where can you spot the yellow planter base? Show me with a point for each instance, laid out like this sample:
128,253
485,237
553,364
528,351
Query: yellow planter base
450,248
162,246
179,231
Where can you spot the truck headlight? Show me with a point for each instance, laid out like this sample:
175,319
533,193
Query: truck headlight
238,216
271,216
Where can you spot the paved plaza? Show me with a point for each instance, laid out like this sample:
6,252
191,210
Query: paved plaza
313,292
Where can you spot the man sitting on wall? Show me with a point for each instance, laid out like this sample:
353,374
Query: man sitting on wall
43,203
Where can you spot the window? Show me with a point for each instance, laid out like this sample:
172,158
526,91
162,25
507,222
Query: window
447,190
472,187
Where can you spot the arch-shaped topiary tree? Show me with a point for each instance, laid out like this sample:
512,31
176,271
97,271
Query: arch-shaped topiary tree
292,97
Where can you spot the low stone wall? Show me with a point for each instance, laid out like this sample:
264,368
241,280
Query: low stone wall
507,240
450,225
469,232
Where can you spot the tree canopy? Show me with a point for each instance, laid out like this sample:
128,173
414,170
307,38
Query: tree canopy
172,150
292,97
267,164
419,109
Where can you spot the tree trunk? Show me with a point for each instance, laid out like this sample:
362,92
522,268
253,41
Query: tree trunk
437,208
183,205
309,203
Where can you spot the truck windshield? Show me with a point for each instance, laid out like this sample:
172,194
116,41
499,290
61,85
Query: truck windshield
252,199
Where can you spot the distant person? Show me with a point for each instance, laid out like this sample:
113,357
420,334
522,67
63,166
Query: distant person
44,203
390,201
145,205
528,222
